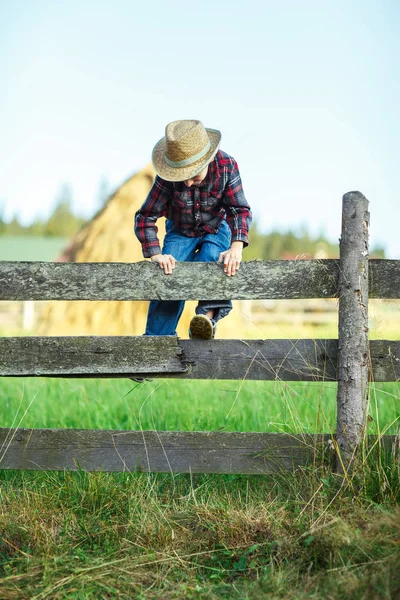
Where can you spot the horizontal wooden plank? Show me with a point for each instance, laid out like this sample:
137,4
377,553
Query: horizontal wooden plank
280,279
167,356
146,281
385,358
162,451
288,360
384,278
164,356
90,356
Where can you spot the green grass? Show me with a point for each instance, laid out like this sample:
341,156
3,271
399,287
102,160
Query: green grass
185,405
308,534
81,536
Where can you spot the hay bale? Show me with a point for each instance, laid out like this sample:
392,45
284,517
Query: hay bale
109,237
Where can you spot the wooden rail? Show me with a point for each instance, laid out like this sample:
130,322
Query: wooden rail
166,451
256,280
168,356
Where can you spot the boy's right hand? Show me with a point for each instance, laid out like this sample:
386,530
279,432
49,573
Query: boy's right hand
166,262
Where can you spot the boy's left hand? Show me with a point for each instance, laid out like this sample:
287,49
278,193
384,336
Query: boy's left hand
232,258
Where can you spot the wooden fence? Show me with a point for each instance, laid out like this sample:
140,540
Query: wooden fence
351,359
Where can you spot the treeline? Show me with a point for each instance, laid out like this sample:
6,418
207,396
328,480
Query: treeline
291,245
62,221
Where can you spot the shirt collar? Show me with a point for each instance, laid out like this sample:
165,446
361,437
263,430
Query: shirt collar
212,175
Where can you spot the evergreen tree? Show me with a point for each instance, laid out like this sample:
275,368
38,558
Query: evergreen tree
14,227
3,224
62,221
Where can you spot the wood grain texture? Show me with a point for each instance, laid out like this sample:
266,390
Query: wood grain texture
90,356
167,356
146,281
353,358
287,360
162,451
384,278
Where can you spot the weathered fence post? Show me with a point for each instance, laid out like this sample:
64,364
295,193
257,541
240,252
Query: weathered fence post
353,367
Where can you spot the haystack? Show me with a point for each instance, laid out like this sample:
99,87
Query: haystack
109,237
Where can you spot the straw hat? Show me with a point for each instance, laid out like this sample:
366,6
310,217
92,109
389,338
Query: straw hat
187,148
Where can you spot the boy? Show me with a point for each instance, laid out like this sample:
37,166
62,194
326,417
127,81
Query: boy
199,191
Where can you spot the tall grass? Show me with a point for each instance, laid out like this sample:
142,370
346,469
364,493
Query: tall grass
271,406
99,535
79,535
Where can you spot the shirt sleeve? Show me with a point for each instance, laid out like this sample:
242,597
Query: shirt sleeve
238,212
154,206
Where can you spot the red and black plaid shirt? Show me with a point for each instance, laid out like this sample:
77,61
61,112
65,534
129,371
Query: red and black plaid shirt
196,210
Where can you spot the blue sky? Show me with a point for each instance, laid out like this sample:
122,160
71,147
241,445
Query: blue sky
306,94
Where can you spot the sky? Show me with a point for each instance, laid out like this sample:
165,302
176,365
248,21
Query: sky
306,94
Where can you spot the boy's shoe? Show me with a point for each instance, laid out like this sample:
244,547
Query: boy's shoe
202,328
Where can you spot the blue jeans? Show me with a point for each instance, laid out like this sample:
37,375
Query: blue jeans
163,315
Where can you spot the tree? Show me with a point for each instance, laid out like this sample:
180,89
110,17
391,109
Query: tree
36,227
62,221
14,227
3,224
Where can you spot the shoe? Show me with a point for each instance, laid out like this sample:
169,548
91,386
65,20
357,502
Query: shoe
202,328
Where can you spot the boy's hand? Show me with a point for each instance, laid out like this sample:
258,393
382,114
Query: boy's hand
166,262
232,258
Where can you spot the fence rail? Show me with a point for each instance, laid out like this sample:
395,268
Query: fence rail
168,356
270,279
168,451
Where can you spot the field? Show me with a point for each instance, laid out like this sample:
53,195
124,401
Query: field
309,534
30,247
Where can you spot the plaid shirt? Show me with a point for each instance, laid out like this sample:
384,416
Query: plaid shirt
196,210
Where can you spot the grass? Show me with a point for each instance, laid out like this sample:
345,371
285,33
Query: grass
272,406
308,534
75,535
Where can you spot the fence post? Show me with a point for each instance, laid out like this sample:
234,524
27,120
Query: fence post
353,367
